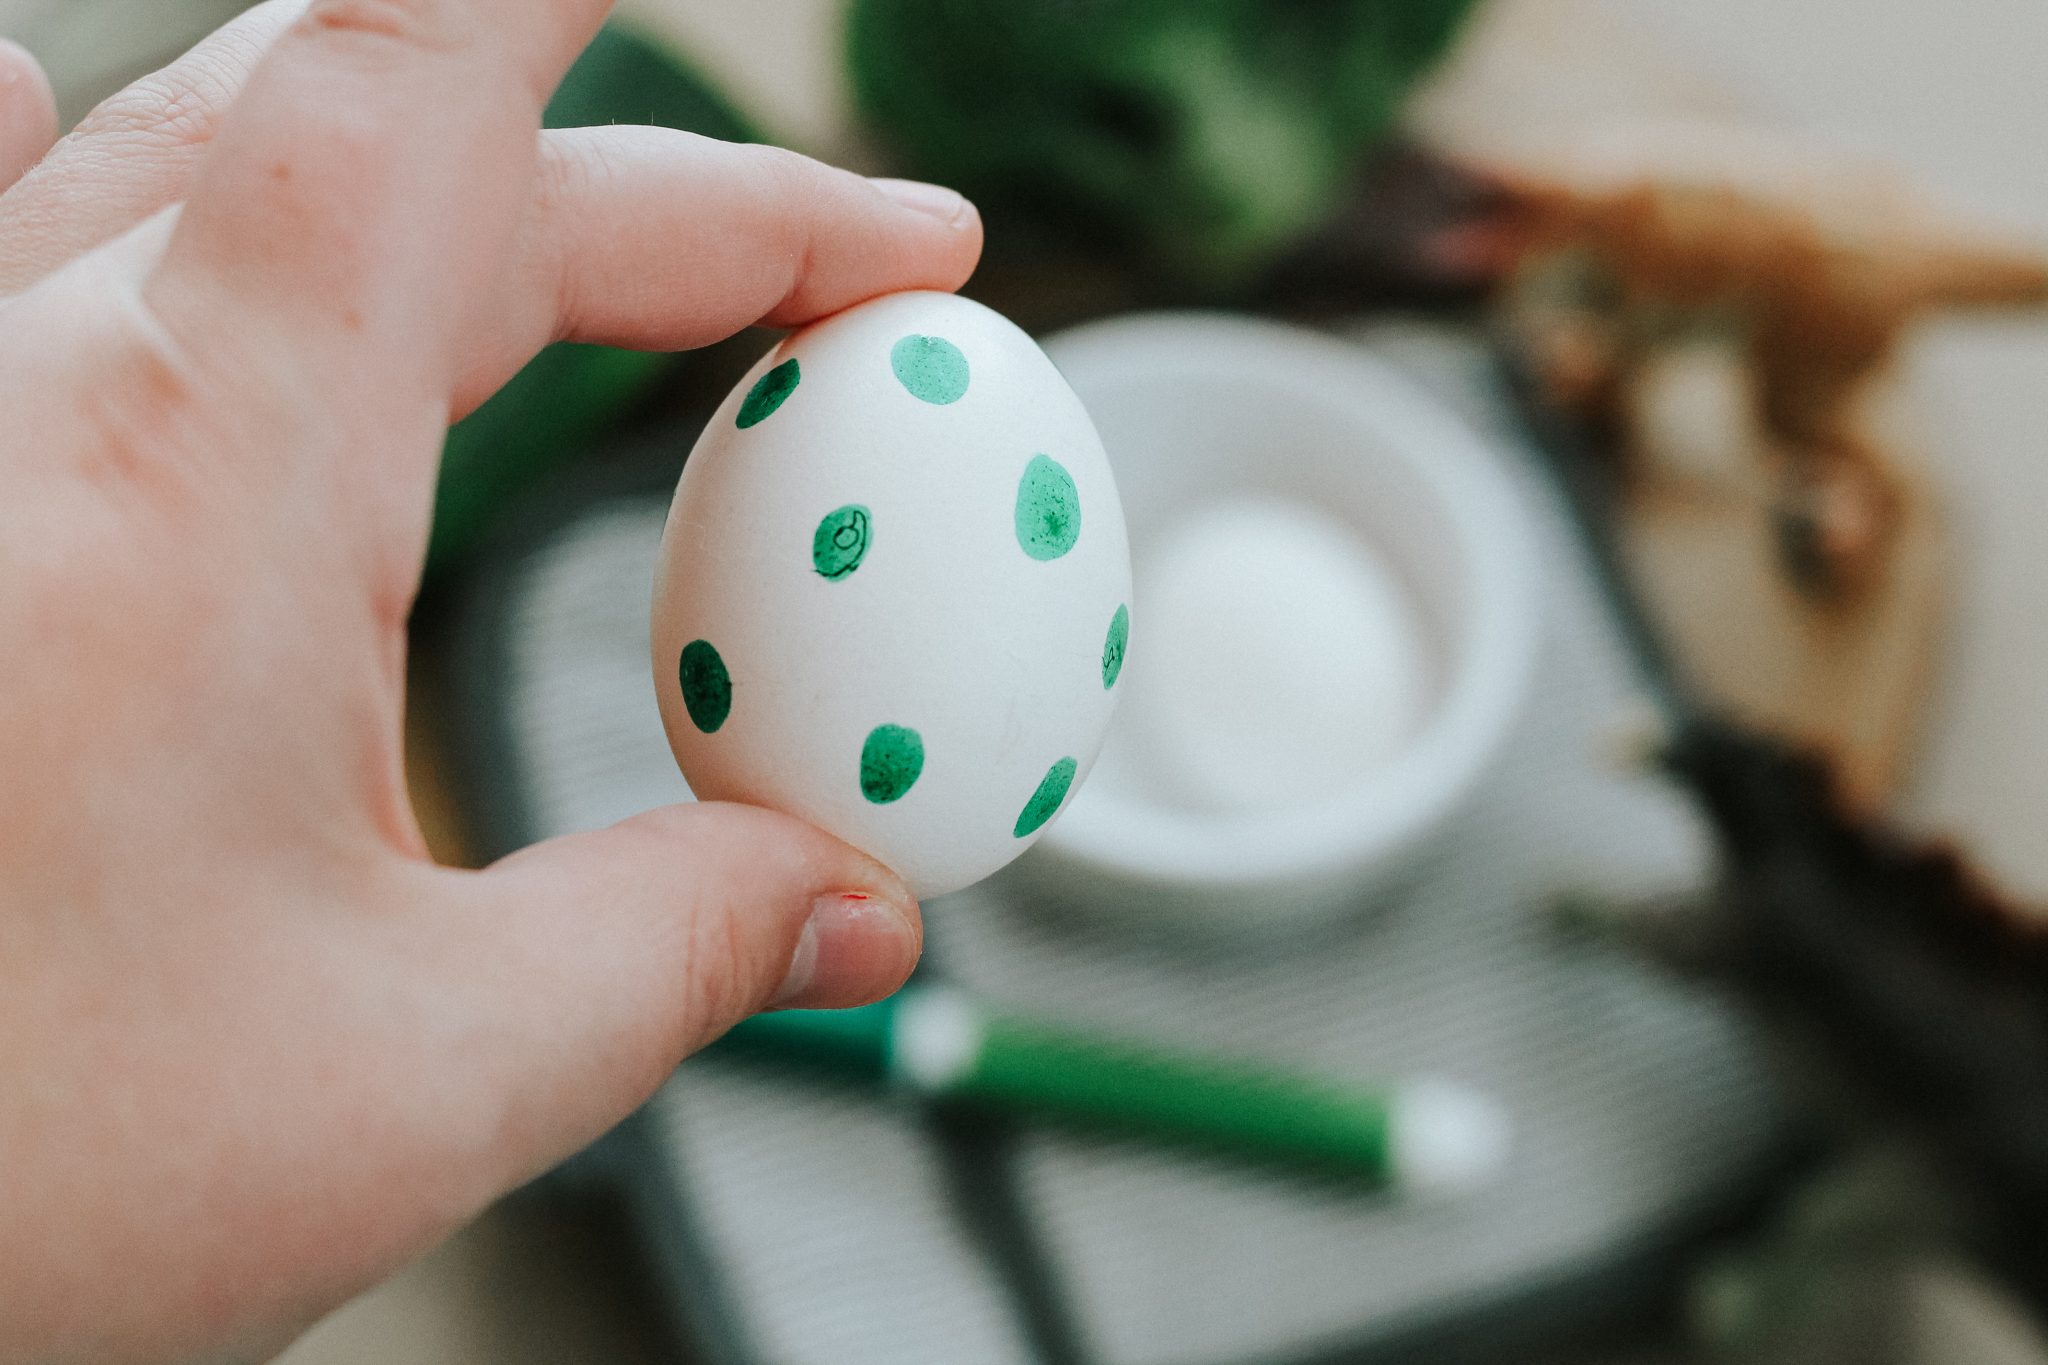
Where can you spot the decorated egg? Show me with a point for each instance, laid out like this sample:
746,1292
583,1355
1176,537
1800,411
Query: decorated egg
894,589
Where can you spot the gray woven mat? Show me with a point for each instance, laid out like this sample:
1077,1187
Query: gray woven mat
1637,1104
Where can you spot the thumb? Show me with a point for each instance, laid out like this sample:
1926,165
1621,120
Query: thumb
600,960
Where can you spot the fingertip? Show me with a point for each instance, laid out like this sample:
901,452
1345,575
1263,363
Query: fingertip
28,112
871,236
948,207
965,248
856,948
688,918
654,239
944,228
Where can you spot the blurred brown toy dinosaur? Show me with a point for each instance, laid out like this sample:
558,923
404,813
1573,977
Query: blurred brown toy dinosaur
1639,240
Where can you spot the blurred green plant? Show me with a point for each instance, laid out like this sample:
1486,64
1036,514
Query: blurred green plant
569,397
1206,135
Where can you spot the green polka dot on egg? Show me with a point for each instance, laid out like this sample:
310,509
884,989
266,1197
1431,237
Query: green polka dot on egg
769,393
707,687
932,368
1048,509
1045,802
1113,646
841,541
890,763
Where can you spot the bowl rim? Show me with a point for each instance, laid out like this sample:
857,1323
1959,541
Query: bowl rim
1396,803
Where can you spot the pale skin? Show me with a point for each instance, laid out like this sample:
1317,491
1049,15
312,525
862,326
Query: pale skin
256,1049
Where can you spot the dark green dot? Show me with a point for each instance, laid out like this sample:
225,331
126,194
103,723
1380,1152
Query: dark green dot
768,393
1046,800
890,762
932,368
707,687
1113,647
1048,509
841,541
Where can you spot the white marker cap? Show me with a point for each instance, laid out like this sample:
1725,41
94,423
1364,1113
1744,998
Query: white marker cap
1446,1139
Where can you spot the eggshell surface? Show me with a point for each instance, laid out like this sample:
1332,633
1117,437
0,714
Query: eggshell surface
893,596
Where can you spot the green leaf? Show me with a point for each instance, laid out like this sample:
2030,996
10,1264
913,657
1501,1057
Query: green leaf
1203,136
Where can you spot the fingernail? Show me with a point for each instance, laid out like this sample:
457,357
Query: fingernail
855,947
948,206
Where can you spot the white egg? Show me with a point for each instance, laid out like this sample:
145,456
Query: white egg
894,589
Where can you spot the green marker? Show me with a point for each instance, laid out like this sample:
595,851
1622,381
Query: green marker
1426,1137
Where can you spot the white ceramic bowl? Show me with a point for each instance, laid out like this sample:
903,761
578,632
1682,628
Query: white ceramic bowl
1197,409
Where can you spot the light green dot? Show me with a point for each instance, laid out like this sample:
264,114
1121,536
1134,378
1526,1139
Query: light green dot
1113,647
890,762
707,687
932,368
1046,800
768,393
1048,509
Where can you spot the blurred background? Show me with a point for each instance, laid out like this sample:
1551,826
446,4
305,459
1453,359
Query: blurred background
1654,561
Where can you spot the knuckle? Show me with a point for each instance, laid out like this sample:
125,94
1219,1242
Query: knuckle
722,971
147,396
173,108
799,191
392,581
793,179
572,178
182,104
145,364
185,102
575,170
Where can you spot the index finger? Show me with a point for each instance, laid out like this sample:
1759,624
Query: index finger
365,191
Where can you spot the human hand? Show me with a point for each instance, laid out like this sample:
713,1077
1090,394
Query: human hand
256,1050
